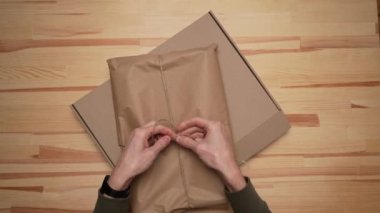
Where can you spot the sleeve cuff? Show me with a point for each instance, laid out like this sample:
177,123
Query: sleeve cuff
247,199
108,204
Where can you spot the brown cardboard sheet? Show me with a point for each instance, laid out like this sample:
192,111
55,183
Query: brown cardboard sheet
256,119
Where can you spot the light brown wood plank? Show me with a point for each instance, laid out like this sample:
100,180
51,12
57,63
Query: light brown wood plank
319,59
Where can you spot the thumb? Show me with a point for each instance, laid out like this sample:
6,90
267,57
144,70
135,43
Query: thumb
160,144
186,142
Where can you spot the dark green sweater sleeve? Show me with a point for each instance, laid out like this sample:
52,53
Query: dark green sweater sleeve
105,204
247,200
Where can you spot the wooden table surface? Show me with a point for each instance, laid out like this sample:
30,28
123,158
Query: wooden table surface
320,59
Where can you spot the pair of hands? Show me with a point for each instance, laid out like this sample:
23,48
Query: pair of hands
206,138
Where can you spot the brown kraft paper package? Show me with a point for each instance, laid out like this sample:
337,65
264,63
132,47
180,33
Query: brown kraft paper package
174,86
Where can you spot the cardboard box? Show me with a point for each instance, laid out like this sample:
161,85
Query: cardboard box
256,119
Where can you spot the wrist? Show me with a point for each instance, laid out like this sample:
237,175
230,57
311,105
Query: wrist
107,191
119,182
234,179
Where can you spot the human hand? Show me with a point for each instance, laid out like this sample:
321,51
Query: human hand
139,155
208,139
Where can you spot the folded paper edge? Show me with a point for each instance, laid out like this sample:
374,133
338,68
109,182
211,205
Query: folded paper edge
229,38
92,135
245,146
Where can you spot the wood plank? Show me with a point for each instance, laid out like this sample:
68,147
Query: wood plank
319,59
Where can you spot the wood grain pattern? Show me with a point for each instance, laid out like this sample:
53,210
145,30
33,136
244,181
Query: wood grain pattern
320,60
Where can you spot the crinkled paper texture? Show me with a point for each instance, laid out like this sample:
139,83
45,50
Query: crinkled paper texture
174,86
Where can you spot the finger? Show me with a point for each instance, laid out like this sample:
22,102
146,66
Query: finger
197,135
186,142
198,122
159,129
160,144
198,139
164,131
191,130
141,132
